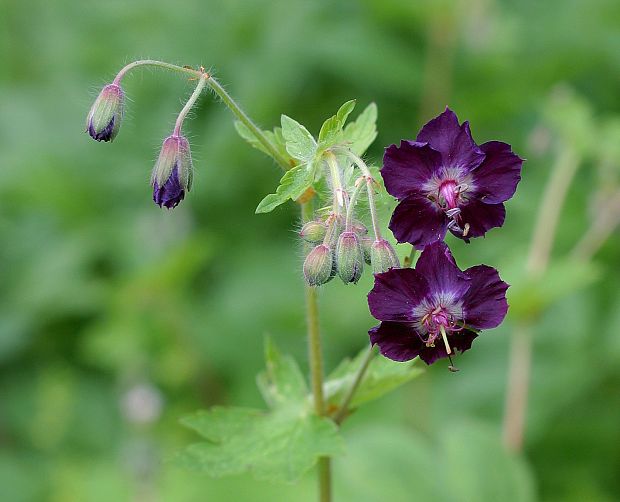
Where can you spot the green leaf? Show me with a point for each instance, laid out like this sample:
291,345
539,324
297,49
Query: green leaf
279,446
382,376
362,132
299,142
331,130
282,382
292,185
274,137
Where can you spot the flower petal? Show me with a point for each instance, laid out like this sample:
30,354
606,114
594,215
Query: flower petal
485,304
438,267
395,294
460,341
453,141
408,167
171,192
481,218
497,177
397,341
418,221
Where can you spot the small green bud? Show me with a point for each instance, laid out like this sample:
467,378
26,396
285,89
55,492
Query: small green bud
366,245
349,257
313,232
105,116
319,265
383,256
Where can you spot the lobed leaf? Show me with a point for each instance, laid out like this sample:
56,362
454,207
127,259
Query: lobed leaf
299,142
292,185
382,376
362,132
275,137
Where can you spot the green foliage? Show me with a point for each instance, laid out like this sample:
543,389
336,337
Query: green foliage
382,377
299,142
275,137
360,134
279,445
292,185
331,130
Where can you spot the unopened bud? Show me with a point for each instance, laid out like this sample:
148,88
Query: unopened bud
366,245
313,232
359,228
349,257
383,256
173,172
105,116
319,265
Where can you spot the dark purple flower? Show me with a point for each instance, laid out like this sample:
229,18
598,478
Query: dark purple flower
105,116
435,309
172,175
444,181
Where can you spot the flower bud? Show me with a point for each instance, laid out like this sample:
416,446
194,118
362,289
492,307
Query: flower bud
104,118
173,172
383,256
319,265
366,245
349,257
313,232
359,228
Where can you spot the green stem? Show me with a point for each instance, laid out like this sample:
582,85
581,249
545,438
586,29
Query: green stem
316,368
188,106
223,95
334,171
358,188
409,259
344,407
369,185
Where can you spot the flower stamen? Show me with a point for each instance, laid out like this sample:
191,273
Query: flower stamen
445,338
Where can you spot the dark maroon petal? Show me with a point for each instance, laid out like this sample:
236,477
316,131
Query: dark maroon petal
171,193
408,167
452,140
485,304
105,134
497,177
396,341
460,341
438,267
481,217
418,221
395,294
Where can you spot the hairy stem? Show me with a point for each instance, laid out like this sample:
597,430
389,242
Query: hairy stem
519,368
359,185
217,88
188,106
315,356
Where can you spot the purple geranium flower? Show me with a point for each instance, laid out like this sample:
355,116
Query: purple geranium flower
435,309
444,181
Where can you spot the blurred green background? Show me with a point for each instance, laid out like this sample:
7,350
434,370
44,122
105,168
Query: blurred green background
117,318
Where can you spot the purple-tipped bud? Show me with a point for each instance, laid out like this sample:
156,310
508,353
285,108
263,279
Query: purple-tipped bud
319,266
313,232
383,256
173,172
366,245
105,116
349,257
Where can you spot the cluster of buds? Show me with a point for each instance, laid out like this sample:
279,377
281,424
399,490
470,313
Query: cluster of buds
173,172
342,244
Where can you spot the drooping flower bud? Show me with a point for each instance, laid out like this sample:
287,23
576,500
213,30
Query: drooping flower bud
383,256
173,172
313,232
349,257
105,116
319,265
366,245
